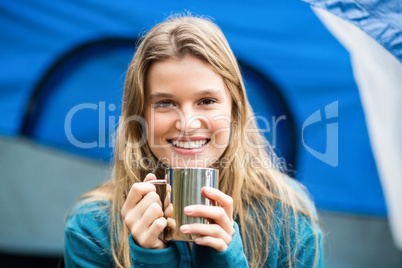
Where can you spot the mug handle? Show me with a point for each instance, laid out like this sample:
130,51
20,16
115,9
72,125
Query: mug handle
160,186
160,190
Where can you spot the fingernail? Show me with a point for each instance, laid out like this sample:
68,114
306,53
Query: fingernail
208,190
198,240
188,209
184,229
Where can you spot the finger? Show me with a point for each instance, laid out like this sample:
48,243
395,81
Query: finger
216,243
216,214
168,193
171,226
167,203
171,223
133,223
224,200
212,230
134,218
169,211
153,212
137,192
139,225
150,237
139,209
162,188
150,177
148,200
157,227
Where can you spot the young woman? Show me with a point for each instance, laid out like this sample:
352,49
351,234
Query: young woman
185,105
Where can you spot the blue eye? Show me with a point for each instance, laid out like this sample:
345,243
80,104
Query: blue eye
207,101
164,104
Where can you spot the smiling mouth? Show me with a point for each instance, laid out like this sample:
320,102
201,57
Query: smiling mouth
189,144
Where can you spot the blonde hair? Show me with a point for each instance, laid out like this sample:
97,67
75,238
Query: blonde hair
255,191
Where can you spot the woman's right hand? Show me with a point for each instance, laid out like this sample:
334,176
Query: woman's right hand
143,215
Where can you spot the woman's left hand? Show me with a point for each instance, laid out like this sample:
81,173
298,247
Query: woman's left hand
219,232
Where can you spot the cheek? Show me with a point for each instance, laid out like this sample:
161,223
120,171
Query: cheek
221,130
158,125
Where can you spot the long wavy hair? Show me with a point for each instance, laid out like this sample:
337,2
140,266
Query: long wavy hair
255,191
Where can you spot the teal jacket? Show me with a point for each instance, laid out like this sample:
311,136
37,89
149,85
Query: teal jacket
87,244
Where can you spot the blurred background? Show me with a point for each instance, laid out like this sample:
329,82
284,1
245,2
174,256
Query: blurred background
324,78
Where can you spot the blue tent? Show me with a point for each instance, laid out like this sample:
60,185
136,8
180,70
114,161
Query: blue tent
63,68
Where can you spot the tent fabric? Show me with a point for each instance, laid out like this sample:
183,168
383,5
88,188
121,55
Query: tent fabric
283,41
381,19
379,77
77,114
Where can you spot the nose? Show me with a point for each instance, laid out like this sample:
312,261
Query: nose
188,120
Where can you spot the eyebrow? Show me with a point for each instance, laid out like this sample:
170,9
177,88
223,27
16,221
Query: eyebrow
159,95
201,93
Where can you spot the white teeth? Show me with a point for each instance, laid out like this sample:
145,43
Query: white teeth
189,144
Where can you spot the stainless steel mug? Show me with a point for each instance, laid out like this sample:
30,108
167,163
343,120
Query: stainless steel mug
186,184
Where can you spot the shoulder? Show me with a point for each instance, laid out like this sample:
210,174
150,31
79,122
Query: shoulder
93,208
87,234
298,227
295,212
90,218
299,197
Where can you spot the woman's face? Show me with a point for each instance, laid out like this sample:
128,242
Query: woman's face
188,112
